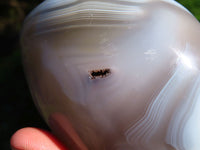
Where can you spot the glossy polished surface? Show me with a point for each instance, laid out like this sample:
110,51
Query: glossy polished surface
117,74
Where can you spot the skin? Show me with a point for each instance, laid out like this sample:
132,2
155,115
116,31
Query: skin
35,139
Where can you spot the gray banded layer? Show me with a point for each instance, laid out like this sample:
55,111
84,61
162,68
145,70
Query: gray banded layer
56,15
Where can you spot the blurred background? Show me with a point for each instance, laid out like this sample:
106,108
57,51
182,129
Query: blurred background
16,106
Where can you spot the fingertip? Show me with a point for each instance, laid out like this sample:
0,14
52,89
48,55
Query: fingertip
18,139
34,139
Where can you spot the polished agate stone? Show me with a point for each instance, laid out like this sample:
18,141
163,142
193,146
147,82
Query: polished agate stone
115,74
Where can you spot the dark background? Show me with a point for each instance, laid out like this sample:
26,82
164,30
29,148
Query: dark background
16,107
